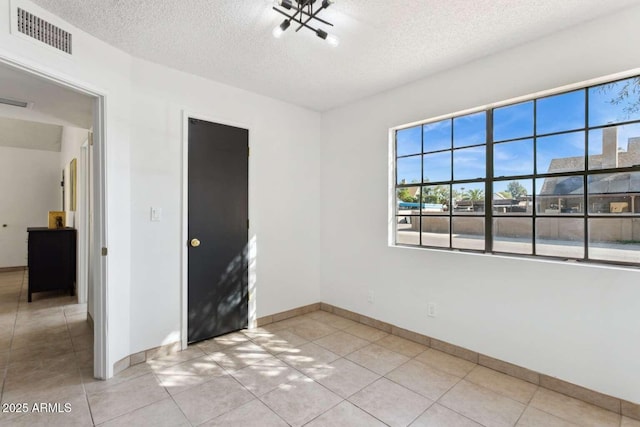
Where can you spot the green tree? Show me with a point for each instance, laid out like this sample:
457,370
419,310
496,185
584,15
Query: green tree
628,93
405,195
516,189
438,194
475,194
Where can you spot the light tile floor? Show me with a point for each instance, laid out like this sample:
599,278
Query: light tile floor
314,370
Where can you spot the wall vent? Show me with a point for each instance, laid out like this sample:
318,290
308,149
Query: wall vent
44,31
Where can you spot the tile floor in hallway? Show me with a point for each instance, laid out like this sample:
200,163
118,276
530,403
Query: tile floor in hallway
317,370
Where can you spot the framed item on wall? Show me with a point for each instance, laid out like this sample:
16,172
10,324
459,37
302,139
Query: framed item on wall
73,184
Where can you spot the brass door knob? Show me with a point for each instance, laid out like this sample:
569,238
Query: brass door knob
195,243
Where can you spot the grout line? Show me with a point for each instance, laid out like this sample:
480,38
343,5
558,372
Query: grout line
422,413
331,408
253,394
332,311
86,397
322,385
521,414
13,330
364,410
174,401
559,417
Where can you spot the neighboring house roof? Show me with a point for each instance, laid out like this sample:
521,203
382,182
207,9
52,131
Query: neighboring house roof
414,191
621,182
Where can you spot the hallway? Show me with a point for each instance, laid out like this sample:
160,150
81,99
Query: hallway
46,353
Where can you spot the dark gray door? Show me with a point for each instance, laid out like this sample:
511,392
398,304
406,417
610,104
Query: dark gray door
218,223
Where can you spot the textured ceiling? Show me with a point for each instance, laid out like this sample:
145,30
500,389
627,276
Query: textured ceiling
35,136
50,103
384,43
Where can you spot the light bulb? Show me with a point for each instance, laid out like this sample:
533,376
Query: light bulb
333,40
277,32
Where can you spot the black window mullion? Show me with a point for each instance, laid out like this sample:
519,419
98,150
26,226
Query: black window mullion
420,197
585,195
488,186
451,190
534,210
537,178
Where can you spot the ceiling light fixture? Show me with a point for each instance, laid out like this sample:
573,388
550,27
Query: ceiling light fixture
304,13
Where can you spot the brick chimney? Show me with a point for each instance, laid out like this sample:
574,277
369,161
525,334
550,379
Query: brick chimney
610,147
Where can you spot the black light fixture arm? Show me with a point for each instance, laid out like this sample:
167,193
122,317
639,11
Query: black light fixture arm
299,20
313,15
303,14
292,18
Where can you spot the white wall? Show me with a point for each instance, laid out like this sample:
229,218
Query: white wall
144,105
29,189
577,322
106,70
284,188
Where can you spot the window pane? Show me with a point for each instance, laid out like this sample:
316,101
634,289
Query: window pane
514,121
614,239
614,102
560,195
435,231
614,193
560,153
468,198
469,163
513,197
561,237
407,200
407,230
409,141
435,199
409,169
513,158
560,112
470,130
468,233
614,147
437,136
437,167
513,235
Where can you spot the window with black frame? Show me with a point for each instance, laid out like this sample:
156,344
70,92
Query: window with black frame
556,176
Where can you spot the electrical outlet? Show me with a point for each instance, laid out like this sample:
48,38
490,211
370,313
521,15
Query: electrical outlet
370,297
432,309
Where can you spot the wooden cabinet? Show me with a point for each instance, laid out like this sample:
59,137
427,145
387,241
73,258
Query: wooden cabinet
52,259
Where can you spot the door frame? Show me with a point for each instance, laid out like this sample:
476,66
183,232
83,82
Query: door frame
184,235
83,223
101,362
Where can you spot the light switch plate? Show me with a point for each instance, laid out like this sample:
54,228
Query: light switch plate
156,214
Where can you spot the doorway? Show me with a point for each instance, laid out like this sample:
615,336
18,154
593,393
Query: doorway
48,98
217,229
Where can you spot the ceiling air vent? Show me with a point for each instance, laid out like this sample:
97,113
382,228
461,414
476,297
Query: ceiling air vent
14,103
43,31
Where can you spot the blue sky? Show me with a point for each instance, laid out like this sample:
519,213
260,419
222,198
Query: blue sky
567,106
558,113
602,111
513,121
513,158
